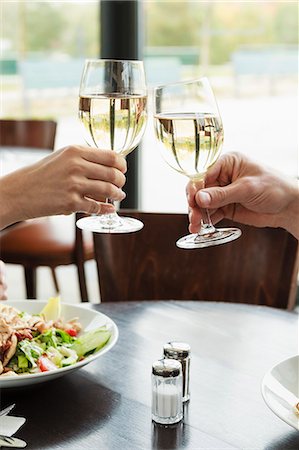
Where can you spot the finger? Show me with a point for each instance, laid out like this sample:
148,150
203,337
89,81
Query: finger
90,206
213,173
105,157
3,287
195,217
97,190
216,197
3,295
225,168
190,193
194,220
2,268
3,284
104,173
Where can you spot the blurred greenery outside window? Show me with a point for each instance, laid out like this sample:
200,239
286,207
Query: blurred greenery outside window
248,50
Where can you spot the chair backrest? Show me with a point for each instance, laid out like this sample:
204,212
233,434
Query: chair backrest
28,133
259,268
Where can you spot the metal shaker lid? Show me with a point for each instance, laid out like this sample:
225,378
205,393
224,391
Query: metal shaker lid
167,368
176,350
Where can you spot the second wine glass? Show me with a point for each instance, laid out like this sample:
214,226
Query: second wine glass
190,133
112,109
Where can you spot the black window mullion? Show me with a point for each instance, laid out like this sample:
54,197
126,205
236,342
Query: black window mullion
122,38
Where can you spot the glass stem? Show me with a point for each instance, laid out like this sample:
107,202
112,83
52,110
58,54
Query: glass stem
206,226
111,220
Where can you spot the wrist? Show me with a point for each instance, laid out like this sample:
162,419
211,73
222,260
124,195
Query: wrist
11,200
7,209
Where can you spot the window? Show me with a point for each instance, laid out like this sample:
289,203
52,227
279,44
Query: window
249,52
247,49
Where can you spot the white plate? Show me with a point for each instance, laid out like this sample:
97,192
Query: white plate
89,320
280,390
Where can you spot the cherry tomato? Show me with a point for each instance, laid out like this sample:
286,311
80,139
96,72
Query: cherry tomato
72,332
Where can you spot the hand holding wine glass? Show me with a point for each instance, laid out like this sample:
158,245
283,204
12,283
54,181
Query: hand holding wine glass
112,109
241,189
190,132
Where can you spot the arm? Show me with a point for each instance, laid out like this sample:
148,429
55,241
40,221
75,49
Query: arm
74,178
242,190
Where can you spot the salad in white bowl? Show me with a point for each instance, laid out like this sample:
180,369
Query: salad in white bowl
37,342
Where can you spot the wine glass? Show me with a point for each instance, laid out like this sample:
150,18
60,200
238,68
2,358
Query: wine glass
189,129
112,109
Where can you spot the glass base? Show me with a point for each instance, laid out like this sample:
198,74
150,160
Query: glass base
168,420
218,237
102,224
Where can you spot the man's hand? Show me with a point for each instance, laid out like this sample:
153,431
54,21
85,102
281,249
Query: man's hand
242,190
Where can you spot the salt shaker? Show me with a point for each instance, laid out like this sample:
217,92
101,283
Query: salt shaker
167,388
180,351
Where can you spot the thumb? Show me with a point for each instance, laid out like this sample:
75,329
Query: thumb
90,206
216,197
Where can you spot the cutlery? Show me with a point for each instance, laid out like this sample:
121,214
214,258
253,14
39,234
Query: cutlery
7,441
7,410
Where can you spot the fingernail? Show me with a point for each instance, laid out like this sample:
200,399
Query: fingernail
204,198
123,195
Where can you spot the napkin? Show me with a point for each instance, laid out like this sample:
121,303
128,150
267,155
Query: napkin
287,397
9,425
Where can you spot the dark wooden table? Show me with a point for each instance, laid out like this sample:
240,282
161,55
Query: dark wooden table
107,405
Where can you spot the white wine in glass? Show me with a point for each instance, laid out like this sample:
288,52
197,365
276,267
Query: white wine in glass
190,133
113,112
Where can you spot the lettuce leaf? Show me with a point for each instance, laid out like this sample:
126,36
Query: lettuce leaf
91,341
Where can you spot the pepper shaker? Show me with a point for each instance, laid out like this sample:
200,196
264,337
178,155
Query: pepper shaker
167,385
180,351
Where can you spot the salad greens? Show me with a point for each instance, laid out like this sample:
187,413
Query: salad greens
55,348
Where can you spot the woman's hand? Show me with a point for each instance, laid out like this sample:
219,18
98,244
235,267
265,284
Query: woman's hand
71,179
242,190
3,286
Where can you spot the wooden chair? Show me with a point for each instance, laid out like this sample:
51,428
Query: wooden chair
28,133
259,268
50,241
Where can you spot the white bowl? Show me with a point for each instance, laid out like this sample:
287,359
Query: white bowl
280,390
89,320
